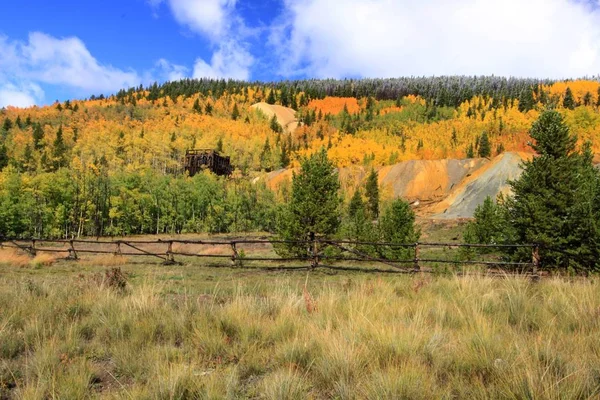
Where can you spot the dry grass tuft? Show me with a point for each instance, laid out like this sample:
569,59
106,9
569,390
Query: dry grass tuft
14,257
43,260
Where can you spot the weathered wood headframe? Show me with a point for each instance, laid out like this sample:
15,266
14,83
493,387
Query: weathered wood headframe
199,159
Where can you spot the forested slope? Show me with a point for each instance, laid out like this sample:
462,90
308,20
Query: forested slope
112,165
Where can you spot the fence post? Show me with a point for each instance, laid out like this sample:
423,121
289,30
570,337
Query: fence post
32,251
118,249
535,258
72,252
416,259
234,255
315,253
170,258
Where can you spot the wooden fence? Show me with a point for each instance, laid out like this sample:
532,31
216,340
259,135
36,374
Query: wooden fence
338,254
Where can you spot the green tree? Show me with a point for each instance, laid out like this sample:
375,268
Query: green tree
208,108
271,97
372,193
485,149
569,100
38,137
235,114
3,157
275,126
265,156
397,225
526,100
555,201
59,150
490,224
314,207
470,152
284,160
196,107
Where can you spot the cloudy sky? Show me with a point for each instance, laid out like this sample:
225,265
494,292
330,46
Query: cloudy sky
63,49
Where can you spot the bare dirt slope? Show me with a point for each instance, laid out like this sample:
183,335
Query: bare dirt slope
285,116
427,180
490,180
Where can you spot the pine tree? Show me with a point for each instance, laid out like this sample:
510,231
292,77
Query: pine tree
569,100
235,114
372,193
356,204
454,139
499,149
397,225
526,100
3,157
314,207
38,137
196,107
470,152
7,125
208,108
556,199
587,99
284,159
58,150
271,97
485,149
219,148
265,156
274,124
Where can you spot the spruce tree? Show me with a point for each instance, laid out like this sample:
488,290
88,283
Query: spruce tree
372,193
274,124
3,157
569,100
59,150
356,204
271,97
235,113
485,149
314,207
265,156
196,107
555,201
208,108
397,225
470,153
38,137
526,100
587,99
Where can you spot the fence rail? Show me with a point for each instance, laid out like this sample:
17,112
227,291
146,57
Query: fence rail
315,253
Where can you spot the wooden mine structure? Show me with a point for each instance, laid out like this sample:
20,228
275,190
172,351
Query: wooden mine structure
198,159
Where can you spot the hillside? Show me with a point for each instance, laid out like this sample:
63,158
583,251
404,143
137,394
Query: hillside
112,165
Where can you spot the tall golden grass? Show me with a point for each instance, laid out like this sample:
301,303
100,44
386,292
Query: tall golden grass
390,338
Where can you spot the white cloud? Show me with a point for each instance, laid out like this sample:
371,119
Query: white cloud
218,22
385,38
229,61
211,18
169,71
57,61
25,95
67,61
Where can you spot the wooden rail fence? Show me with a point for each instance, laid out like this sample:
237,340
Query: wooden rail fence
316,254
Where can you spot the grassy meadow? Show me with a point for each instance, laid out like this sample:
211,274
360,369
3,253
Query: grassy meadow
70,330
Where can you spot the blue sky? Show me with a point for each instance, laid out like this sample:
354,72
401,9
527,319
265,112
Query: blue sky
71,49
